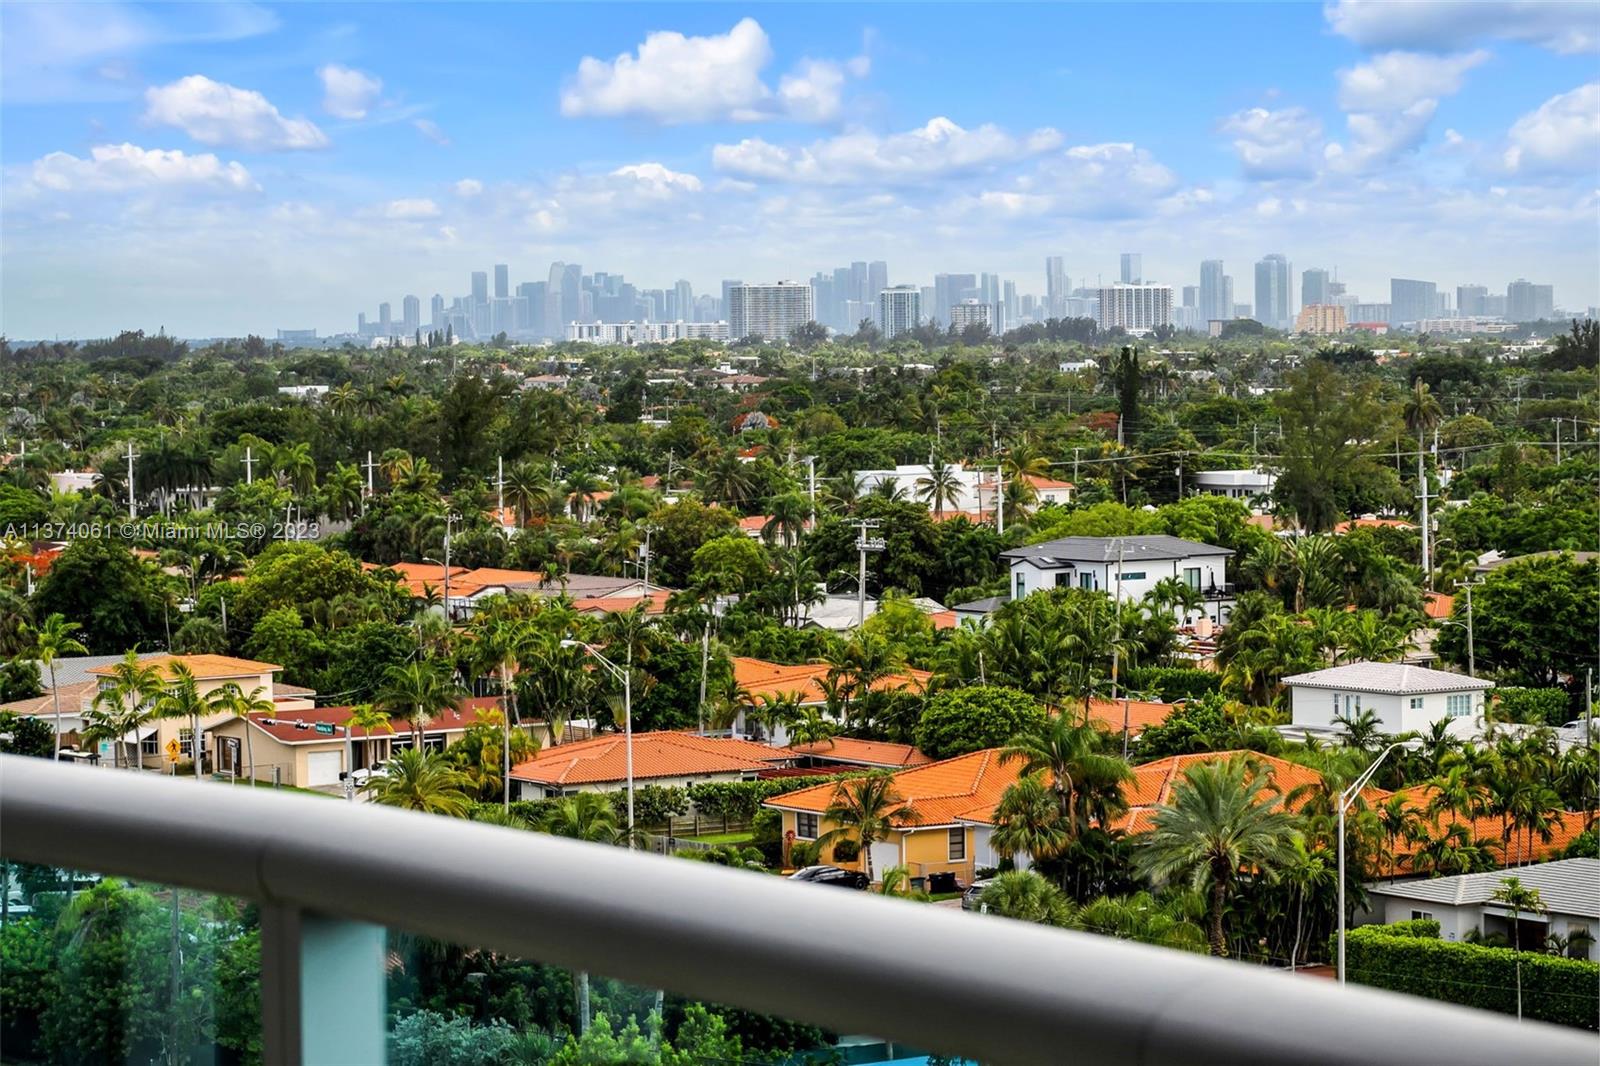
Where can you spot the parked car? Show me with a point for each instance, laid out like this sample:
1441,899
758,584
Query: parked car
831,875
970,899
367,773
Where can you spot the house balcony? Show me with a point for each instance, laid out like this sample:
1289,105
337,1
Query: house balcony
341,889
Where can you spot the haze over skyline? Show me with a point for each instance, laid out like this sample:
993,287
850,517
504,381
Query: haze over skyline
223,169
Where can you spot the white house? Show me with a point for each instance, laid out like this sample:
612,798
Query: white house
1569,889
1405,698
1235,484
1128,567
906,477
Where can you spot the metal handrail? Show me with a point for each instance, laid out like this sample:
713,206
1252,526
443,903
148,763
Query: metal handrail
989,988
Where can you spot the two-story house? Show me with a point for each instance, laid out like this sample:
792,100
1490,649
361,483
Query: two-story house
1404,698
1128,567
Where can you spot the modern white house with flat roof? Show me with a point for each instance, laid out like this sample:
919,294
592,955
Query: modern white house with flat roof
1128,567
1405,698
1247,484
1568,888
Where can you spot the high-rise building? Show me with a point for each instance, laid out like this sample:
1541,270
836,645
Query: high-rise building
971,313
1216,304
1314,287
1056,286
858,281
502,281
1138,309
1321,319
685,294
1469,300
1411,301
949,290
572,293
771,312
1274,305
411,314
436,312
531,295
727,283
385,322
1132,268
1191,296
877,278
480,287
1008,300
899,310
1230,309
1527,302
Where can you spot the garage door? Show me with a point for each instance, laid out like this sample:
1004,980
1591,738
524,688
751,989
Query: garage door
322,768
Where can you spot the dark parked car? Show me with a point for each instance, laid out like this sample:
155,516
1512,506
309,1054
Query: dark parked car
971,899
831,875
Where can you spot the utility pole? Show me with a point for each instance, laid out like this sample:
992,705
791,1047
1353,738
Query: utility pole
249,466
1000,499
864,544
132,513
1558,441
1472,654
646,554
1116,651
500,489
1424,496
449,517
1075,452
811,481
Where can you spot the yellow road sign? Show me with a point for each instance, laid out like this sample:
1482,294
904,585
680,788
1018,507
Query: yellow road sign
173,749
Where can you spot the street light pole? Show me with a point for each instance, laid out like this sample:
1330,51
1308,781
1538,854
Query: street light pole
1346,798
627,713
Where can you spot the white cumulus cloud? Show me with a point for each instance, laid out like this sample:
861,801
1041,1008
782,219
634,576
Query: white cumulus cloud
814,91
1563,133
347,92
1561,26
122,167
410,210
674,78
467,188
218,114
937,148
1275,144
653,179
1396,80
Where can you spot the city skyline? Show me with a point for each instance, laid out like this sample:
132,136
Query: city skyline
293,165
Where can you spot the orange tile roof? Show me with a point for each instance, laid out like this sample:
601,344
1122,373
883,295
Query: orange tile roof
753,523
489,575
603,759
467,713
1142,714
762,678
864,752
1373,523
655,603
1437,605
203,667
940,792
943,619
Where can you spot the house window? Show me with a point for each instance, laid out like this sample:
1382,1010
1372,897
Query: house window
150,745
1459,705
1416,703
1086,580
1191,577
1422,916
1022,586
958,845
1063,580
805,826
185,738
1133,575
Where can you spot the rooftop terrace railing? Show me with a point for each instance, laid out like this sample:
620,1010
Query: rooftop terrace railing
329,875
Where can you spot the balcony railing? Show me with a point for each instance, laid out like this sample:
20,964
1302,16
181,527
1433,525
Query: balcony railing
328,875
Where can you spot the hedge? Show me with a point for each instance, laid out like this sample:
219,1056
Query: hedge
1534,706
1172,684
741,799
1554,989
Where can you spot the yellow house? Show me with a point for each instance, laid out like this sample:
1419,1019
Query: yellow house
151,744
938,840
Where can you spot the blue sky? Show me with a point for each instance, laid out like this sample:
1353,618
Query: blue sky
222,168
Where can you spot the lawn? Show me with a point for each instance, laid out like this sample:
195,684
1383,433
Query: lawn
722,838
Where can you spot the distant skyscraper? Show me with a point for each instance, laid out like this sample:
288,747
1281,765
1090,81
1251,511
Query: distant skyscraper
1191,296
436,312
1056,285
1132,268
1136,308
1411,300
385,322
1314,287
971,313
480,287
858,281
685,301
877,278
502,281
771,312
1527,302
1274,307
1215,303
1470,299
949,290
899,310
411,314
571,295
1008,299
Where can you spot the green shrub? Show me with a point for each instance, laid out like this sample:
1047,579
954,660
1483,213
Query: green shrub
1564,991
1533,706
804,853
962,720
1173,684
1422,928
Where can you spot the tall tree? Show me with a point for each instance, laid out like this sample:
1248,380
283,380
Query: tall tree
866,811
52,640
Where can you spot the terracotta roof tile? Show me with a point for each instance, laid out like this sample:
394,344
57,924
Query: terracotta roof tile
864,752
940,792
204,667
603,759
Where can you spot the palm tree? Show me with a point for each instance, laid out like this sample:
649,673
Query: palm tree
242,705
1224,817
811,726
585,816
786,518
183,699
1517,897
1086,784
294,466
418,691
1422,413
342,491
1025,896
1028,821
866,810
528,490
123,704
939,487
421,781
366,717
50,641
1172,922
